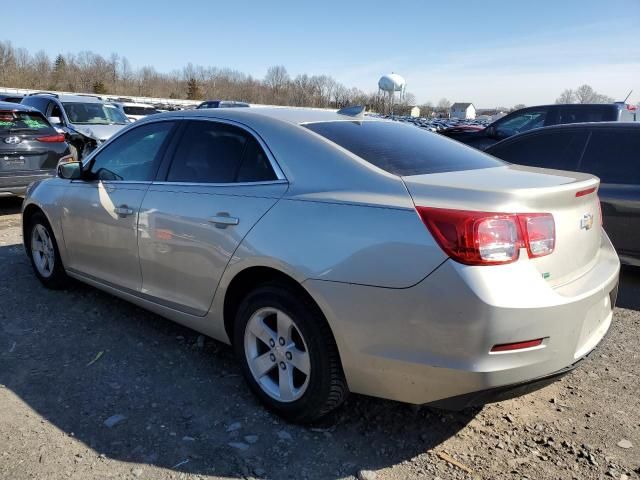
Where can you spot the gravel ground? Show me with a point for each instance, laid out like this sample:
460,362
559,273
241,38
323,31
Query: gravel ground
93,387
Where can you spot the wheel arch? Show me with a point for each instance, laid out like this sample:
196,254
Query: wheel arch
252,277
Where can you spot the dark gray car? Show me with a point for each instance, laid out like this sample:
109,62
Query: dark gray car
30,148
530,118
610,150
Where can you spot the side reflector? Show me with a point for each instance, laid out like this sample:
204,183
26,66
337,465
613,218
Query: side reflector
582,193
506,347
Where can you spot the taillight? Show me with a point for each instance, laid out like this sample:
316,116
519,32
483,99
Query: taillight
52,138
487,238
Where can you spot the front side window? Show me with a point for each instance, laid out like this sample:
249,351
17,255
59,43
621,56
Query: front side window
587,114
521,122
94,113
133,156
612,155
211,152
560,150
402,149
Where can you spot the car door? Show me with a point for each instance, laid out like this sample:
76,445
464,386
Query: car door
219,182
557,148
100,213
612,155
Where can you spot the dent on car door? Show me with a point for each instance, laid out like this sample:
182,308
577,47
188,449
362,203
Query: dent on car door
218,184
100,213
612,155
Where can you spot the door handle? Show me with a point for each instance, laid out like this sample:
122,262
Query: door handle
223,220
123,210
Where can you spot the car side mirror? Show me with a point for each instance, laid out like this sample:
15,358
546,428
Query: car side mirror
490,131
55,121
69,169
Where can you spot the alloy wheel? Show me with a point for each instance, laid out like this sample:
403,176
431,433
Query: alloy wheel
42,250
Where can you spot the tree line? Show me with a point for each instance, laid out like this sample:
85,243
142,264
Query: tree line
89,72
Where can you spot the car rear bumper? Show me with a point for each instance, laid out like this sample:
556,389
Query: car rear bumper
432,342
16,183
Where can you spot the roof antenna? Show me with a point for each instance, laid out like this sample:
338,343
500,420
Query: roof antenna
353,111
627,97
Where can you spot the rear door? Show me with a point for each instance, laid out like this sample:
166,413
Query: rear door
218,182
613,154
100,214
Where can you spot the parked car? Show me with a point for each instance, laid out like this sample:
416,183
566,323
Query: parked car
136,111
222,104
10,97
337,253
609,150
86,120
30,148
529,118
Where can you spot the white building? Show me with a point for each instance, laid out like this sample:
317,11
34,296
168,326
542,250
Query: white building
464,111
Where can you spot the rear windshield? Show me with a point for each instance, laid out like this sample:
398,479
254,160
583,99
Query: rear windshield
403,149
22,121
139,110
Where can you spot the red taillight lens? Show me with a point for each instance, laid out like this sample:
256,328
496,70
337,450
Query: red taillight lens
51,138
539,233
486,238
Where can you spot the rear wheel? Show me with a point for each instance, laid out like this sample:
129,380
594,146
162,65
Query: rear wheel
288,354
44,254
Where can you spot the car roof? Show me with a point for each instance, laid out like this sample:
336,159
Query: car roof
79,99
17,107
294,115
582,125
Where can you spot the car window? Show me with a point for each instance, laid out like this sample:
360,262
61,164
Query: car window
587,114
133,155
37,102
22,122
612,155
403,149
56,112
559,149
132,110
94,113
211,152
520,122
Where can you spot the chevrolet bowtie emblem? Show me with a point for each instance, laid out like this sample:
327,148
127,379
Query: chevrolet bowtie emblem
586,222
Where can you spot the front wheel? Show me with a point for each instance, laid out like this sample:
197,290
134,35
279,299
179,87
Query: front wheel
44,254
288,354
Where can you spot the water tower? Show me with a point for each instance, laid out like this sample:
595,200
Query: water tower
390,84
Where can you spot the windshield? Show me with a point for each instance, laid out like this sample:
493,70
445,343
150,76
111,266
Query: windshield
403,149
22,121
94,114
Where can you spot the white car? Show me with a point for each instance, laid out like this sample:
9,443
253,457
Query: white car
136,111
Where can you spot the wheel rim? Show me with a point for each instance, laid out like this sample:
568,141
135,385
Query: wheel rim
42,250
277,354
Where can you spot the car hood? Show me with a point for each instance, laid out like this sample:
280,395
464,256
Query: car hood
98,132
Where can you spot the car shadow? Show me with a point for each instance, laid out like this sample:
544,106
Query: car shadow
629,290
10,205
84,360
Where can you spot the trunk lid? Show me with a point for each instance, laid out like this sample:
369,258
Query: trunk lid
518,189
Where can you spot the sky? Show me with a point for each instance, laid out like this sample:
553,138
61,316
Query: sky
489,52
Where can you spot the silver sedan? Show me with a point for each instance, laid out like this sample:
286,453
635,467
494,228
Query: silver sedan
337,253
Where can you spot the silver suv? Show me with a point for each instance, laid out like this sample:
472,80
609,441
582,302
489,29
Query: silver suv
86,120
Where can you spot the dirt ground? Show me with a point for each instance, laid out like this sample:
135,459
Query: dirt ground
94,388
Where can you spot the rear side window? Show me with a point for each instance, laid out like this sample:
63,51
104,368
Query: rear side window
587,114
614,156
558,149
211,152
403,149
25,121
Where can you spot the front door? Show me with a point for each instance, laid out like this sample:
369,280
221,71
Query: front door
100,213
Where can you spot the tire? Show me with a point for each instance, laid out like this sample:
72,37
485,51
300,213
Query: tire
53,277
309,345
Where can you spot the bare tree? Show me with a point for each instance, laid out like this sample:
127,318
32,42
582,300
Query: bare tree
567,96
583,94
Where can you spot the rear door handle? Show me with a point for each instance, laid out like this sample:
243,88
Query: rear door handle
123,210
223,220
